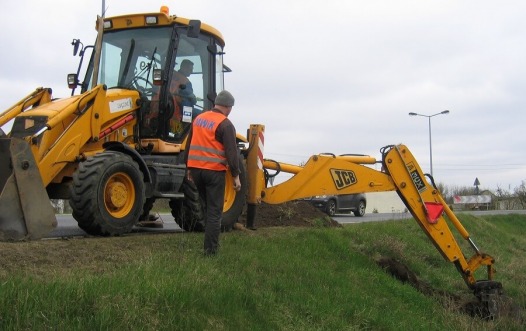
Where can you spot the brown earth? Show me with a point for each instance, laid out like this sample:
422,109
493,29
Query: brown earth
293,213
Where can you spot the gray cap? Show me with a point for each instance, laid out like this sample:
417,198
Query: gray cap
224,98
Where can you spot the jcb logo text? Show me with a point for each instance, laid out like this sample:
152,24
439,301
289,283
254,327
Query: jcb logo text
343,178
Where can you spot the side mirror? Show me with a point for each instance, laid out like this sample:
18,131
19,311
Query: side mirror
194,27
73,81
76,43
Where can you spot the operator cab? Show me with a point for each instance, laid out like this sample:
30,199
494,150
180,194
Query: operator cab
175,65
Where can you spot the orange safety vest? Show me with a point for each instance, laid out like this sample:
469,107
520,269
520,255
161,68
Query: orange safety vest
205,151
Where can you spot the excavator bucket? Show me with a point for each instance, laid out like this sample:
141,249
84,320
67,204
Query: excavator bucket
26,212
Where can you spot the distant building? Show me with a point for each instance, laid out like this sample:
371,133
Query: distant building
384,202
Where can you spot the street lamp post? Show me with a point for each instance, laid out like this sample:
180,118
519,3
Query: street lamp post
430,145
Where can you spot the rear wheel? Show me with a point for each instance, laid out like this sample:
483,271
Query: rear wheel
189,213
234,201
107,195
148,205
330,209
360,211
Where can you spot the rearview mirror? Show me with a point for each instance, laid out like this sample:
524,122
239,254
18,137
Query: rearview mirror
76,44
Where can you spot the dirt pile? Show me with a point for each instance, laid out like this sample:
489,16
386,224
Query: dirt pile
293,213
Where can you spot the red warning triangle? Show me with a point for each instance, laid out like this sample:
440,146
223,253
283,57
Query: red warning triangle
434,211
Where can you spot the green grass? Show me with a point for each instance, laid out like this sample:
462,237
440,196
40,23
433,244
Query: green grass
270,279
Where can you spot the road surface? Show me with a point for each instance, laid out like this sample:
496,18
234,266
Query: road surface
67,226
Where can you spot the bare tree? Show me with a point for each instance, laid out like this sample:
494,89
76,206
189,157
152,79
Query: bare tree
520,194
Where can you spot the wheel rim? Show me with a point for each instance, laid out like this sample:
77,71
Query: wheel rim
119,195
230,193
230,197
332,208
362,208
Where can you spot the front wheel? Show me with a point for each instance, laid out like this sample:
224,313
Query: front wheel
360,211
107,195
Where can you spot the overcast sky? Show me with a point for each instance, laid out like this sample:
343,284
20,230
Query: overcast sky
331,76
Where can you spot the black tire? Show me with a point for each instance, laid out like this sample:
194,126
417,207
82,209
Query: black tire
148,205
107,195
360,211
190,213
330,209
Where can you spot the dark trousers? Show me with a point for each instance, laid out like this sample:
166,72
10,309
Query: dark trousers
211,187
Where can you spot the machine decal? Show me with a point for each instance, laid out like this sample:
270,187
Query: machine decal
120,105
343,178
187,114
415,177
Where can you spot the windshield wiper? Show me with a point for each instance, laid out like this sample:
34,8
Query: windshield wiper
128,62
139,75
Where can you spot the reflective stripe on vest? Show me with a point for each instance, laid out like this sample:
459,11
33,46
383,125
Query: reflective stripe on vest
205,151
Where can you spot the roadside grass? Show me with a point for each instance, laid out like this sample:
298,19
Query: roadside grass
270,279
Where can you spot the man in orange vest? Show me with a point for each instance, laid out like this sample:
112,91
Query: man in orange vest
211,148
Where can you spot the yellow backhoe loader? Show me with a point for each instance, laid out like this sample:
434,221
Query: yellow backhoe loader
115,147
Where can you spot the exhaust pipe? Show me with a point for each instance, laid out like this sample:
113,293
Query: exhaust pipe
26,212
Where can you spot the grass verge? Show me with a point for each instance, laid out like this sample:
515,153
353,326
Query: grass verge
269,279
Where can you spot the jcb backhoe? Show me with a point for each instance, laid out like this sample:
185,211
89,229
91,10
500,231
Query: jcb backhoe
116,147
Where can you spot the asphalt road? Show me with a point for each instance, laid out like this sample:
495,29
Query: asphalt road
67,226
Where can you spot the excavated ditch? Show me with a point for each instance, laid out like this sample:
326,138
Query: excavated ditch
301,213
504,306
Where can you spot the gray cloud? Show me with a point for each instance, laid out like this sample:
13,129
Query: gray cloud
333,76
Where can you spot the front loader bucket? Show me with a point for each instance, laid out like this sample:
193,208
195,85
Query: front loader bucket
25,210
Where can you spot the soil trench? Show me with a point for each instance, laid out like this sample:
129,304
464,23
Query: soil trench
502,306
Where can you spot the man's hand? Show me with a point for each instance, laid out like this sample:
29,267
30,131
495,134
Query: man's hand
237,183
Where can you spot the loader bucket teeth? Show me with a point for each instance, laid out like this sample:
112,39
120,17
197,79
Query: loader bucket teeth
25,210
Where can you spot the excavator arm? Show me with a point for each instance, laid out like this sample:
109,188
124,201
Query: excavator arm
39,96
400,172
428,207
